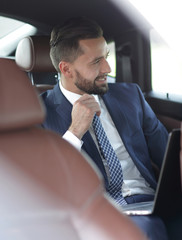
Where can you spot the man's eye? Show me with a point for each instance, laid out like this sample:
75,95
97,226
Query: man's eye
97,61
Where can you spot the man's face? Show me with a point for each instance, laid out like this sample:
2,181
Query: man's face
91,68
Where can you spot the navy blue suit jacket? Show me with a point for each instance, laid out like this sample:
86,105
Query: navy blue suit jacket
142,133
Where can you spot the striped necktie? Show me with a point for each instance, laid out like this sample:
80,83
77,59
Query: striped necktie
108,153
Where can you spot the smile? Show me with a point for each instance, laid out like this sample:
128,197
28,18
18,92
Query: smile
104,79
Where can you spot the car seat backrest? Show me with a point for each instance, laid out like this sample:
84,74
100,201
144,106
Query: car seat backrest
19,105
48,190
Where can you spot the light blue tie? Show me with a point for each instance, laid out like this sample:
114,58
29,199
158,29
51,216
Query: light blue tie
108,153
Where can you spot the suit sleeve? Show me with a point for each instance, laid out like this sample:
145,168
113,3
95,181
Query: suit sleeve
155,133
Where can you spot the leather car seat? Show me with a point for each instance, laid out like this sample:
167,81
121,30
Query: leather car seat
48,190
32,56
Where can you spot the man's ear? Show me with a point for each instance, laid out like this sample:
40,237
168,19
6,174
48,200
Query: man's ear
65,69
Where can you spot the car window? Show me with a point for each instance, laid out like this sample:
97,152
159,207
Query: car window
11,32
166,66
112,61
166,54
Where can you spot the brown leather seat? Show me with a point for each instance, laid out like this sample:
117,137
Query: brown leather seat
32,56
48,190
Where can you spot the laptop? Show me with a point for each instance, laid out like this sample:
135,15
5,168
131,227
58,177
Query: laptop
168,196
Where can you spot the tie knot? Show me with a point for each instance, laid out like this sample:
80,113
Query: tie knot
95,117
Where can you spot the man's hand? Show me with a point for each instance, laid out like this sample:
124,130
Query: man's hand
83,112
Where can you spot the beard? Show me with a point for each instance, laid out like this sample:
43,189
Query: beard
90,87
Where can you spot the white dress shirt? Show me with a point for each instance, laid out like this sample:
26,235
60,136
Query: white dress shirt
133,182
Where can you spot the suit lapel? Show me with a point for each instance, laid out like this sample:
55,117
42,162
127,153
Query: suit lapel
62,105
117,115
120,120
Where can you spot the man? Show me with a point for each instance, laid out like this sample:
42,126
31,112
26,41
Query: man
79,52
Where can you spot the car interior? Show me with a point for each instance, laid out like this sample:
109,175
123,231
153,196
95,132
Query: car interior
39,194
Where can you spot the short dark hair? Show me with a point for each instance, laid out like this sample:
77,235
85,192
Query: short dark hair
64,42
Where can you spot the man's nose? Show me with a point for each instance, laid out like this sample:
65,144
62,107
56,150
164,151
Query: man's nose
105,66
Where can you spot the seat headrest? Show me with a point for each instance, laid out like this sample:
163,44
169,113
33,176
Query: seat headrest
20,105
32,54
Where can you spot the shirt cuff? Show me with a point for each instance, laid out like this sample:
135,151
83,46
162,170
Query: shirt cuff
73,140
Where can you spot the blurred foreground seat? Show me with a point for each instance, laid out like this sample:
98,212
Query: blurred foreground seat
48,190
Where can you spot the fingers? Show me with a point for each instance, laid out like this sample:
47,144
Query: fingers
83,112
89,104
